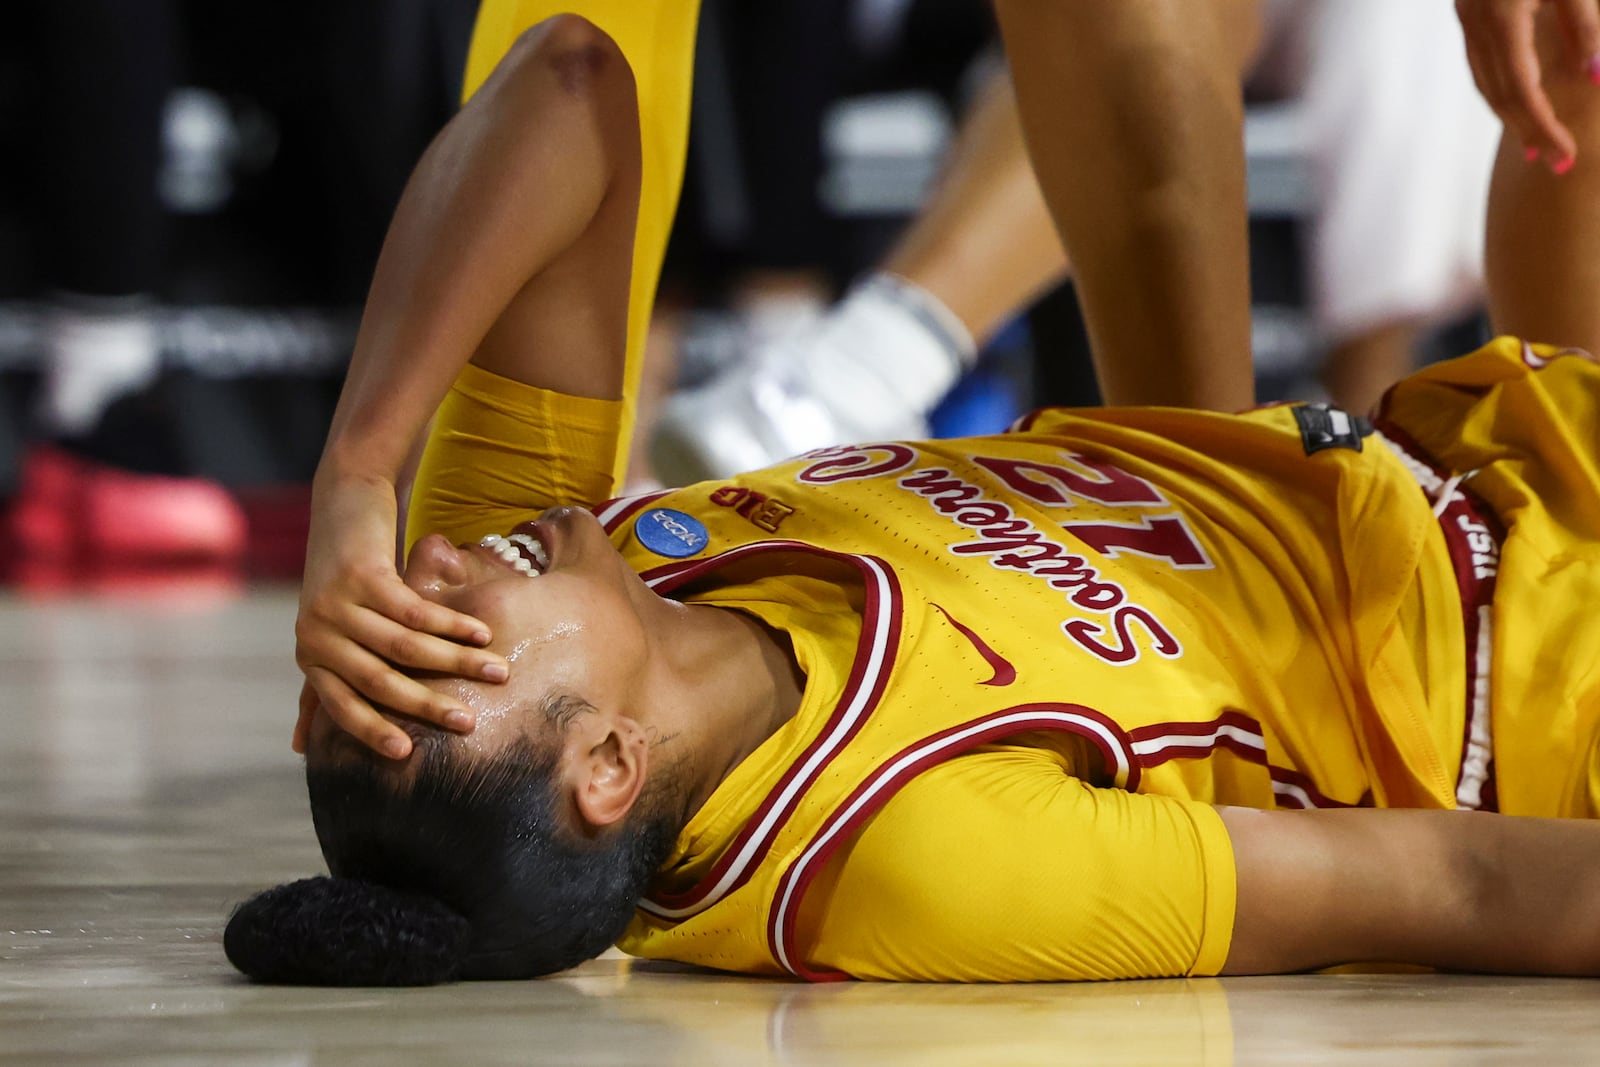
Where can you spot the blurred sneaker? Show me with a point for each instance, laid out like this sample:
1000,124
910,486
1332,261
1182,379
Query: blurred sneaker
44,512
870,369
75,521
127,516
279,520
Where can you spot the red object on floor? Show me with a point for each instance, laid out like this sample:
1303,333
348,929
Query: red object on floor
42,515
137,516
76,522
280,521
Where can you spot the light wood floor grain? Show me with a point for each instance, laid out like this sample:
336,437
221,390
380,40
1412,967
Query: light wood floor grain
146,785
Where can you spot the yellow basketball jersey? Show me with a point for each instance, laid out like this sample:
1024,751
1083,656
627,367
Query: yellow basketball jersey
1133,614
1224,610
1508,439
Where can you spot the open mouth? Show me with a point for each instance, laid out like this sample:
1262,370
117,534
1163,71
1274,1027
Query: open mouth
522,552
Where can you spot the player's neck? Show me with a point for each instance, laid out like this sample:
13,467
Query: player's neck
738,682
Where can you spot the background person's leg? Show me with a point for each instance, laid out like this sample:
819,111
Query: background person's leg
871,367
984,243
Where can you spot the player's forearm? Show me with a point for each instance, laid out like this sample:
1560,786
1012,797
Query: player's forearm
1482,892
1464,891
507,185
1133,116
1534,909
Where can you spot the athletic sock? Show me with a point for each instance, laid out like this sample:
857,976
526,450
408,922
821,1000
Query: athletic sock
889,346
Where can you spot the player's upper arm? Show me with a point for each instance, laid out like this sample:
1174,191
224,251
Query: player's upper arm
997,866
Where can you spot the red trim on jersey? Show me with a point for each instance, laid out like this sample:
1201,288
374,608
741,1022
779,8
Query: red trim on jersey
882,784
613,512
1535,361
869,674
1235,732
1462,516
1203,747
1291,789
1025,422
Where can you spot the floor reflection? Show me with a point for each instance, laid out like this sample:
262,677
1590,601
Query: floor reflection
146,787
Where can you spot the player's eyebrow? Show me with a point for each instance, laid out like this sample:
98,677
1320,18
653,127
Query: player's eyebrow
561,707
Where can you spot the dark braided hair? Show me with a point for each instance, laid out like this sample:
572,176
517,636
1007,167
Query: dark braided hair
468,873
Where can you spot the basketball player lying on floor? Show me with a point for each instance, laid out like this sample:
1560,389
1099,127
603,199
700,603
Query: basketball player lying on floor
1023,707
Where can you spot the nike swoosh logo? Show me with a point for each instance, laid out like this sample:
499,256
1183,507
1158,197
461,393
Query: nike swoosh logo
1004,672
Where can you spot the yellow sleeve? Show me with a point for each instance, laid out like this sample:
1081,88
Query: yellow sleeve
500,451
997,866
657,38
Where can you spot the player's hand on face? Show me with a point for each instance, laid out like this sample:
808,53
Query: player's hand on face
359,624
1503,51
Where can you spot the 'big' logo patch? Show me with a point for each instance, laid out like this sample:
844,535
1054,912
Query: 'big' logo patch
670,533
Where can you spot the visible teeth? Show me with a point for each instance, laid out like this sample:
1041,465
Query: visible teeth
510,551
533,546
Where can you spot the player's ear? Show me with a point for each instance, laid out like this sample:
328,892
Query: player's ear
608,770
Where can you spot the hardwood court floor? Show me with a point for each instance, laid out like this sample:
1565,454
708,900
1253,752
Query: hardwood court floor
146,785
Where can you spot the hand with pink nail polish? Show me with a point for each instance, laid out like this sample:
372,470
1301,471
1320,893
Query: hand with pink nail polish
1503,48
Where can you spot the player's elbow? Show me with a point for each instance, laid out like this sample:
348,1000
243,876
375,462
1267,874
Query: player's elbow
581,55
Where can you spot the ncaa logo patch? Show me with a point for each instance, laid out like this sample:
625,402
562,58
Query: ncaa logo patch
671,533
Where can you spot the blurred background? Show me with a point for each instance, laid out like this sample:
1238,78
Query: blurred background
195,194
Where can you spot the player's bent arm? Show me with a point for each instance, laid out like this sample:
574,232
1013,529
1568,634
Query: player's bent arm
510,184
1456,890
508,187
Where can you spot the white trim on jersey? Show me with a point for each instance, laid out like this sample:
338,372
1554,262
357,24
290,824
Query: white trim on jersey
841,729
